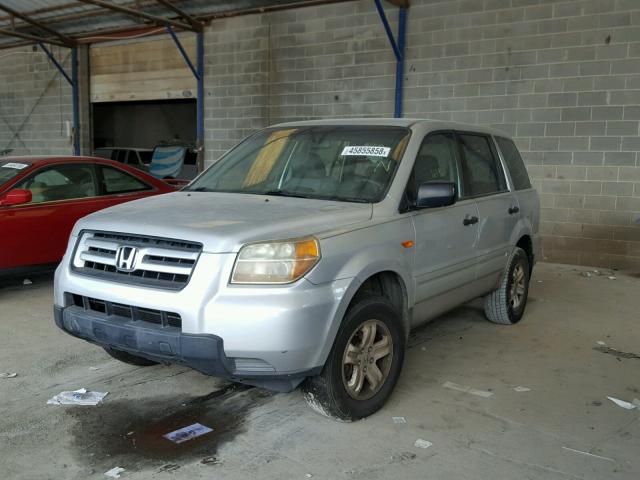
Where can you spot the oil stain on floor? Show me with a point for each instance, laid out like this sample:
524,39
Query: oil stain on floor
130,431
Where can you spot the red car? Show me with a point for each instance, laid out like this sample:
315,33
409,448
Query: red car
41,198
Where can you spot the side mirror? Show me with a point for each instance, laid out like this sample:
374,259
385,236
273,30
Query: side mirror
435,194
16,197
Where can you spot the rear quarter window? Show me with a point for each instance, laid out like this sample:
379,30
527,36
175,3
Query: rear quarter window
514,163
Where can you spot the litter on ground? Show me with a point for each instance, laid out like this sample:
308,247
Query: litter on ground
580,452
622,403
187,433
8,375
26,281
399,419
420,443
114,472
463,388
521,389
602,347
77,397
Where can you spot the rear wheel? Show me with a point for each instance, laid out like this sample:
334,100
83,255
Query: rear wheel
364,363
506,304
129,358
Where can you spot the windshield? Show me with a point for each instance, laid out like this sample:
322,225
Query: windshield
9,170
344,163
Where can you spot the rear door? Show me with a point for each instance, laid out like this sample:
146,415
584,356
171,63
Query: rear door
486,184
446,237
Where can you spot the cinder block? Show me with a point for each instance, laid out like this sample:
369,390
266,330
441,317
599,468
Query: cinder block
620,158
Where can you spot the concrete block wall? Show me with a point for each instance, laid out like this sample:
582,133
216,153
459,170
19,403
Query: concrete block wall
35,102
562,77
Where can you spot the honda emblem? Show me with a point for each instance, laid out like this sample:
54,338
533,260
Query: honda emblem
126,259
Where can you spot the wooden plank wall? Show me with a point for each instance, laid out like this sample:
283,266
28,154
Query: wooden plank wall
144,70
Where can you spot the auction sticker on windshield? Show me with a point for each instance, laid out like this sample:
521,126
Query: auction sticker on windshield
368,151
17,166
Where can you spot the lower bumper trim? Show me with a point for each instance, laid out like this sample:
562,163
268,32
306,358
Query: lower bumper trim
201,352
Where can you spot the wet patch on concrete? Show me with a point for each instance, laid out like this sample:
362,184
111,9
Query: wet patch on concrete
129,432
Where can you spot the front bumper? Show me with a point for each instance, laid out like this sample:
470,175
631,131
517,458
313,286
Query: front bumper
202,352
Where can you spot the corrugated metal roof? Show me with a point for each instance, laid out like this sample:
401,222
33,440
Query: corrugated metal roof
79,20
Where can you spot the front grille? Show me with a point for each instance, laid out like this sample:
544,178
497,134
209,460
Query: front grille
130,312
160,262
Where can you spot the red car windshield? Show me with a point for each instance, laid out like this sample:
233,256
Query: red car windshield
9,170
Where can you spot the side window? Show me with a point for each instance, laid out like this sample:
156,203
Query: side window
61,182
117,181
514,163
435,162
480,167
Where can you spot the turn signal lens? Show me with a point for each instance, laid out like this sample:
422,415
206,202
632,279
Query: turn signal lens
275,262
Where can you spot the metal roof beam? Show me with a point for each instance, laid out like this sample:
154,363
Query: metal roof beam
139,14
33,38
400,3
194,23
41,26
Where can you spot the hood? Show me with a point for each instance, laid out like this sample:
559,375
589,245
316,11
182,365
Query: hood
223,222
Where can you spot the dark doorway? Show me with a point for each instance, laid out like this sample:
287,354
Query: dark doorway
144,124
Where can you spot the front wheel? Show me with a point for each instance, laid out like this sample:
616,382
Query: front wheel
506,304
364,363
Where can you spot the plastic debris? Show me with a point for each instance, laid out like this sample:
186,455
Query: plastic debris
602,347
26,281
611,277
77,397
399,419
622,403
580,452
463,388
420,443
308,475
114,472
8,375
94,368
210,461
600,342
521,389
587,274
187,433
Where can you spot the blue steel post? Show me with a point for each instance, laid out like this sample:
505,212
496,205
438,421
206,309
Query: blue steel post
200,99
398,50
402,27
75,99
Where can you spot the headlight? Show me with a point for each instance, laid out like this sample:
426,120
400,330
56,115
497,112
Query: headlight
275,262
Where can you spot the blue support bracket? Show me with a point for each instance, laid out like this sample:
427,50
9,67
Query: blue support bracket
198,73
182,51
73,81
398,50
56,63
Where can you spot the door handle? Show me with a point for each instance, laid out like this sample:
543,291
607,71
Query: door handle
470,221
514,209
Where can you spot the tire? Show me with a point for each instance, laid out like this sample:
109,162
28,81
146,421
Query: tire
334,393
129,358
506,305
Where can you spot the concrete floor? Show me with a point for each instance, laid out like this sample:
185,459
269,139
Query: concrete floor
257,434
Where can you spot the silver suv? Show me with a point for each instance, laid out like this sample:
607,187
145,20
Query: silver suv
306,254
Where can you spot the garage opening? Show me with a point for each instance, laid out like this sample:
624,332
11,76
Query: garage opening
145,124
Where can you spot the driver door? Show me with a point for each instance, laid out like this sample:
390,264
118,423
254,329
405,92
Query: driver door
446,237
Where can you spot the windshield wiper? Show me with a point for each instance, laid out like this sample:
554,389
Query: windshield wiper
283,193
199,189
